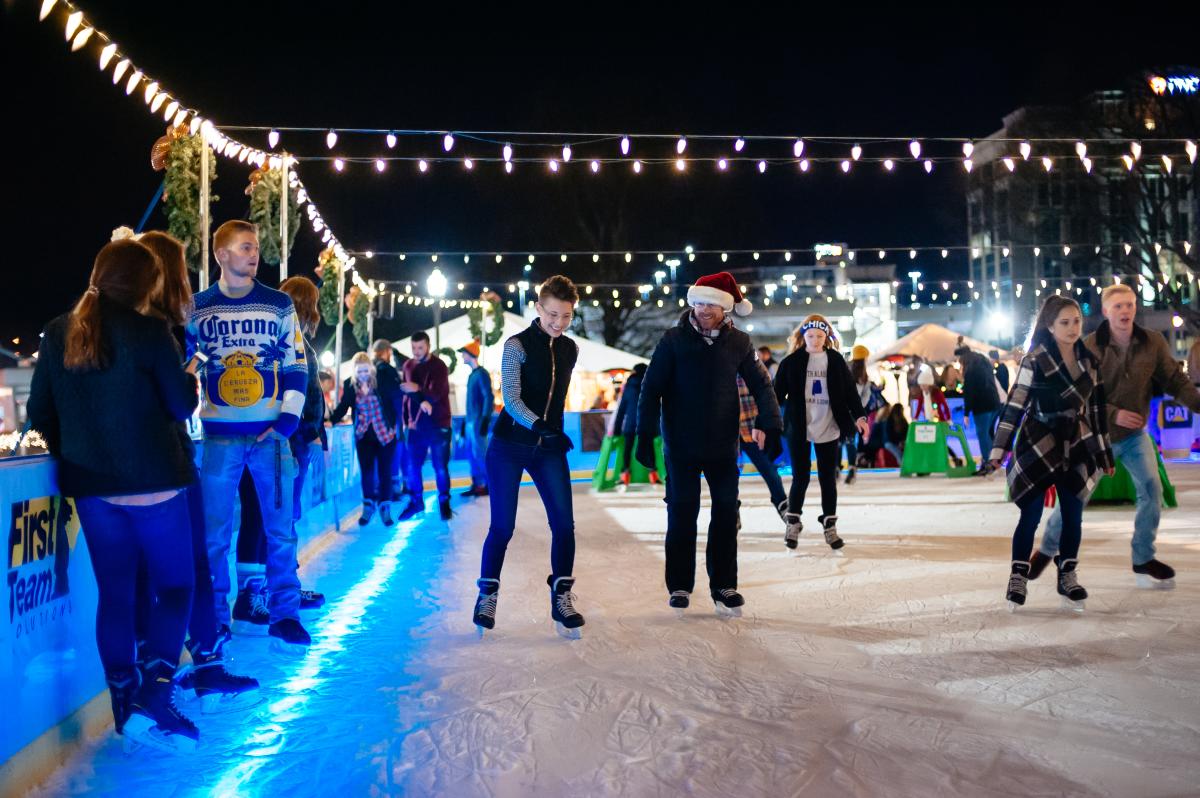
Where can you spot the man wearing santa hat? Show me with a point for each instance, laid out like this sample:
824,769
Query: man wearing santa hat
692,384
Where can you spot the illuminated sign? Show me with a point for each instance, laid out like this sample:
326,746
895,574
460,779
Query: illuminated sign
1181,84
828,251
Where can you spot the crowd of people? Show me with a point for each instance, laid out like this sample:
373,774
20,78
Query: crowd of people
119,374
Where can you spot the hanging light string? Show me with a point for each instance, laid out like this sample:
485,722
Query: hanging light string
81,33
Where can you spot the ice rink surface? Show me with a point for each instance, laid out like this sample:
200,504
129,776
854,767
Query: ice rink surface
890,668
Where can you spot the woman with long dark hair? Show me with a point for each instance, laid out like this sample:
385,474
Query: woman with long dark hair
206,677
108,394
1054,422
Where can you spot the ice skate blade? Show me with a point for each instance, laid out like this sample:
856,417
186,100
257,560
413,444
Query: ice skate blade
223,703
837,545
1013,606
679,612
249,629
1075,606
791,544
140,731
288,650
568,634
724,611
1148,582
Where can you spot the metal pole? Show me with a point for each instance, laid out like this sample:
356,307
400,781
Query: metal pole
371,313
283,219
437,323
205,221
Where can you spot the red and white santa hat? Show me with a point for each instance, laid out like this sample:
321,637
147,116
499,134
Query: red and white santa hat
720,289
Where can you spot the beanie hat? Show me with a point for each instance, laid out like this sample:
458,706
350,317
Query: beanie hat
925,376
859,352
719,289
471,348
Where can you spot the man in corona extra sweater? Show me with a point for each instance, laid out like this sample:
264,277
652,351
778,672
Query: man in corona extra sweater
248,344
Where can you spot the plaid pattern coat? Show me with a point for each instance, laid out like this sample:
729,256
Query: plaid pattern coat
1054,423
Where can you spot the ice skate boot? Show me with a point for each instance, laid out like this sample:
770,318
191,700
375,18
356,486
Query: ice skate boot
1017,584
567,620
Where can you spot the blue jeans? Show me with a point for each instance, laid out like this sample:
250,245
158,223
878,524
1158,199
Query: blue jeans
1069,506
477,445
119,538
436,443
273,470
505,463
767,469
983,433
1140,458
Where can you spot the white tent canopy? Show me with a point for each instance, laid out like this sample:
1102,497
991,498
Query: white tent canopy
934,344
593,356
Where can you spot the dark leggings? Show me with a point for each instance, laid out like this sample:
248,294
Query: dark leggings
629,441
202,627
375,461
828,465
118,537
1031,505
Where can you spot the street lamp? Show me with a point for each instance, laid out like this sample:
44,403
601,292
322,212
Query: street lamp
436,285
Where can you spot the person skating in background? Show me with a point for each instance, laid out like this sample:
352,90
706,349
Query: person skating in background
823,408
928,403
426,420
691,385
980,399
1132,360
768,360
754,453
535,373
1002,375
481,406
254,380
1054,422
383,357
862,384
375,436
108,393
625,424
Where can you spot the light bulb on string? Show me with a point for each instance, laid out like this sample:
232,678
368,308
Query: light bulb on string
151,91
507,152
1128,161
945,253
1047,164
380,165
914,147
179,117
330,139
508,167
798,148
1066,251
762,167
47,5
855,152
680,145
566,153
739,145
625,145
134,80
273,139
1190,148
106,55
157,102
119,72
888,164
968,164
448,142
722,164
637,167
680,164
1005,252
968,147
1087,165
882,254
787,256
73,23
595,258
803,164
1128,249
1026,149
1135,148
1081,150
1010,164
422,166
1037,252
391,141
845,167
553,164
595,166
912,254
1166,159
928,166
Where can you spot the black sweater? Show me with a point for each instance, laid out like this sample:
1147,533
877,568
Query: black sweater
116,431
790,384
693,385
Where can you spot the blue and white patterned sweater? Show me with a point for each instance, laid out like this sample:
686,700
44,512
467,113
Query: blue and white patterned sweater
256,371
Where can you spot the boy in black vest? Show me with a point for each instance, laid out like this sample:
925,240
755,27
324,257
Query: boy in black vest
692,384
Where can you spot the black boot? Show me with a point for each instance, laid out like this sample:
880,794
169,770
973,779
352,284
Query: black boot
567,619
1016,584
444,506
154,719
485,604
829,522
122,686
1073,594
414,507
385,514
1038,563
368,511
218,689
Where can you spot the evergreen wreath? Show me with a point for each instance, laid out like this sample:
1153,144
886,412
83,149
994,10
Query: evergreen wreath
181,193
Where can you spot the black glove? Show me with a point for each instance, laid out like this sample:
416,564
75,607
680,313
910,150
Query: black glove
773,446
484,424
553,439
645,452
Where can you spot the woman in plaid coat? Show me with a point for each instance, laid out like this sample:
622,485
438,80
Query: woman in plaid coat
1055,424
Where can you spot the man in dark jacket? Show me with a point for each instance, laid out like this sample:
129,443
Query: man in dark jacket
692,384
980,399
481,405
426,418
625,423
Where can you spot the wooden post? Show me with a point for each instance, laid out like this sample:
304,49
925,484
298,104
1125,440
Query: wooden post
205,220
283,218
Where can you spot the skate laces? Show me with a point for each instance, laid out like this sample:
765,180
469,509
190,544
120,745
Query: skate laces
565,602
258,602
1068,581
727,592
1016,583
486,605
680,594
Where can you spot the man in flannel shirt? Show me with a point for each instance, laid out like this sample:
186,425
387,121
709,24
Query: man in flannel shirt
253,381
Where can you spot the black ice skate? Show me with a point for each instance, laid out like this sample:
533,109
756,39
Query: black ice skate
1155,575
289,637
250,613
567,620
1016,585
414,507
851,475
1038,563
782,510
368,511
311,600
485,604
444,507
217,689
728,602
122,687
791,535
385,514
154,720
1073,594
679,601
829,522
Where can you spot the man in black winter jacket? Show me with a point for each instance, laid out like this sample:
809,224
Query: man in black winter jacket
980,399
692,384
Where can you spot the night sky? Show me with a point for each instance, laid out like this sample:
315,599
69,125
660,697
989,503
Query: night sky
77,160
